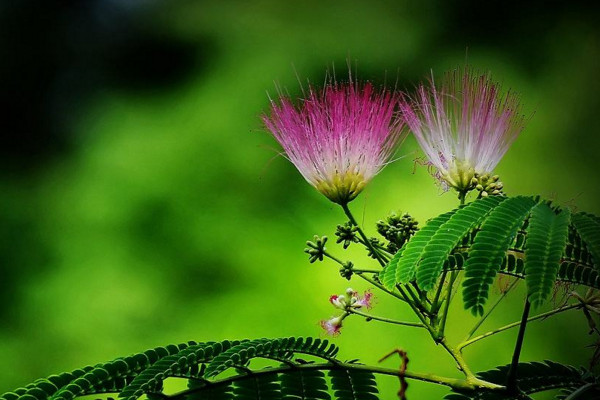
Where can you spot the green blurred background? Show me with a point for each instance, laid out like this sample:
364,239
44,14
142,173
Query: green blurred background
143,204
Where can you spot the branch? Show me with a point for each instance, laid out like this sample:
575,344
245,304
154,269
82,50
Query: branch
487,314
388,320
461,384
502,329
511,380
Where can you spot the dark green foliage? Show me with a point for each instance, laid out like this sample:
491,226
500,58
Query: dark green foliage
48,386
588,227
590,391
578,273
447,237
546,238
532,378
521,236
183,364
271,348
114,375
489,249
144,373
353,385
204,390
402,267
304,384
259,387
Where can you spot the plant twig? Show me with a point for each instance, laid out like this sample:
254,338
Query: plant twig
364,237
454,383
511,380
487,314
388,320
448,298
503,328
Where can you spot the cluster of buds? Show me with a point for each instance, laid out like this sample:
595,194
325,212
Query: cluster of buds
347,302
347,270
487,185
316,249
346,234
397,230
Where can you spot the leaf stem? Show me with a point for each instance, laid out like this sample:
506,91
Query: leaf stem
487,314
380,286
454,383
448,297
435,306
456,354
503,328
388,320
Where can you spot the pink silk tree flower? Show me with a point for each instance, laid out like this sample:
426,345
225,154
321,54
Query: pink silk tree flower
365,301
333,325
465,127
338,137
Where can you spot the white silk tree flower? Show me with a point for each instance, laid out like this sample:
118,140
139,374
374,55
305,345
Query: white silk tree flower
464,127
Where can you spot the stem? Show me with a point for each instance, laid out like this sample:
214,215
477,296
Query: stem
430,378
455,353
417,301
487,314
501,329
364,237
388,320
365,271
435,306
442,326
383,288
359,272
511,381
462,196
332,257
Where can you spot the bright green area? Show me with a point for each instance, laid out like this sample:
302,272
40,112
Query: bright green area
175,219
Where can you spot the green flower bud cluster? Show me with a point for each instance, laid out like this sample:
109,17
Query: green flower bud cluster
316,249
346,233
347,270
487,185
397,230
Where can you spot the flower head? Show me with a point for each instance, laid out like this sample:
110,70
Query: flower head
464,127
366,300
338,137
351,299
333,325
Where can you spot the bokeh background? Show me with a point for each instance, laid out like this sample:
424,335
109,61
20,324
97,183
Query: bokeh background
143,204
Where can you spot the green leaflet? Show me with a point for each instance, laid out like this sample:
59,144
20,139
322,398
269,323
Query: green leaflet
546,238
353,385
260,387
489,249
448,235
186,361
588,227
388,275
273,348
304,385
579,273
402,267
44,388
105,377
206,391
